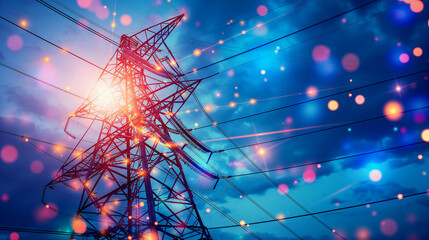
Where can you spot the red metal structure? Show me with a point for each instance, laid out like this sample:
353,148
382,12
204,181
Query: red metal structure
132,178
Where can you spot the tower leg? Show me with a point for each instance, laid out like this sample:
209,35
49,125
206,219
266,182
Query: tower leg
148,190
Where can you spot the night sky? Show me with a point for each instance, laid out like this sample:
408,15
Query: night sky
382,45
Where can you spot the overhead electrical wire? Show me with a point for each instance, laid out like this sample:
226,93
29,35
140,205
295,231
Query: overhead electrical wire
405,196
284,36
331,160
326,129
332,210
318,98
260,170
41,81
77,22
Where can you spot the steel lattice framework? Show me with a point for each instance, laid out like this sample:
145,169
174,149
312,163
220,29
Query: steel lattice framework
132,179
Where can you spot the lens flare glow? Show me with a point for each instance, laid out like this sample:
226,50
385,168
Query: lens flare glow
375,175
393,111
359,99
79,226
425,135
333,105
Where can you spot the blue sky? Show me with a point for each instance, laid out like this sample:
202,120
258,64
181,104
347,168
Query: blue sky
369,45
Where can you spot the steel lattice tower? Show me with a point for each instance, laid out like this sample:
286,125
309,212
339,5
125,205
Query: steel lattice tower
132,178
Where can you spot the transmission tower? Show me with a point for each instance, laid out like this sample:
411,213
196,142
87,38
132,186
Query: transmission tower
132,178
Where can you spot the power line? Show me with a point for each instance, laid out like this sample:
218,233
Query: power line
325,129
87,19
32,230
315,99
41,81
29,230
331,160
53,44
285,36
77,22
261,171
330,210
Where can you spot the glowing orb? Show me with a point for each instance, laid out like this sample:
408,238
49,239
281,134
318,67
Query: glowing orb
393,111
231,73
4,197
197,52
242,223
309,176
46,213
363,233
425,135
312,92
375,175
79,226
333,105
321,53
417,52
208,210
350,62
102,13
14,236
84,3
404,58
14,42
262,10
36,167
283,189
126,19
9,154
388,227
400,196
416,6
359,99
420,157
263,72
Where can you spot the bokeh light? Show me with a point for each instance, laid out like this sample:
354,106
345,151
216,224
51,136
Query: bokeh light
14,42
375,175
309,176
363,233
102,13
262,10
393,111
388,227
404,58
126,19
283,189
360,99
36,167
45,213
350,62
4,197
321,53
312,92
425,135
416,6
9,154
14,236
197,52
417,52
84,3
333,105
79,226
